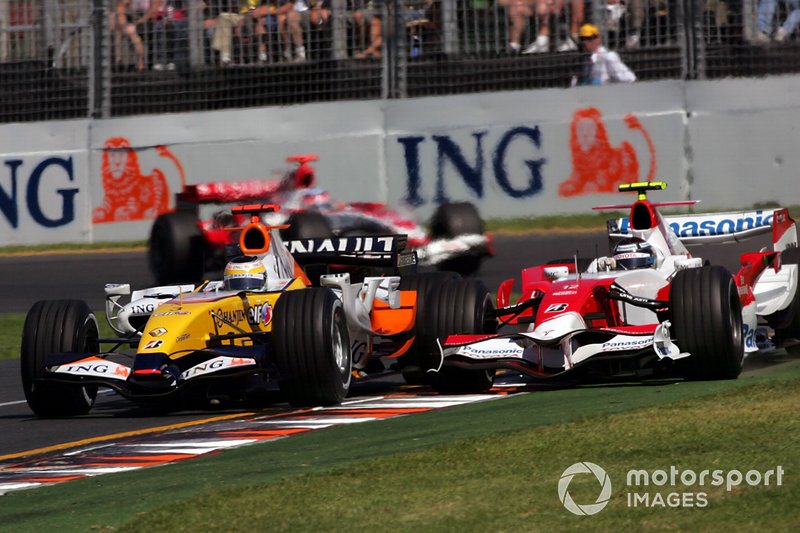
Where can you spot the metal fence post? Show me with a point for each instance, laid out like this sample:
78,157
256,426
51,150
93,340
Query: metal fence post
449,27
196,34
100,67
339,29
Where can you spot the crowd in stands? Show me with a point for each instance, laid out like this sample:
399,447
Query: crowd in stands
156,32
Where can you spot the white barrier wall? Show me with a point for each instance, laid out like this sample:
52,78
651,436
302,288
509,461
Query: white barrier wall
730,143
44,183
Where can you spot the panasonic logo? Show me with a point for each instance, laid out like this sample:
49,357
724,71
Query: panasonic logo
710,225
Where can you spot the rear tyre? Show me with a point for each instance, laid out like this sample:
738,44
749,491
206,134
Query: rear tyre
450,221
57,326
706,317
307,225
175,248
312,347
413,364
455,307
786,322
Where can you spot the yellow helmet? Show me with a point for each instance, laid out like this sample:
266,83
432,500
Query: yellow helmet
588,31
245,273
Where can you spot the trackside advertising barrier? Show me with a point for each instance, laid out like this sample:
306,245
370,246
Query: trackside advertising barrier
513,154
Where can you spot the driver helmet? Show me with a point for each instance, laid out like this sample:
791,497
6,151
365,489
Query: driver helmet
245,273
633,253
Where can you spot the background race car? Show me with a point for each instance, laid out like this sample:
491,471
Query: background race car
263,325
182,247
651,309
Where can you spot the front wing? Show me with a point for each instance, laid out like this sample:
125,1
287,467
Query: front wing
521,352
156,378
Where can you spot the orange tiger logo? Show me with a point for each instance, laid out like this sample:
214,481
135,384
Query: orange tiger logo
598,167
127,193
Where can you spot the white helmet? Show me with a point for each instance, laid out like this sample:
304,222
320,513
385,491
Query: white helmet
633,253
245,273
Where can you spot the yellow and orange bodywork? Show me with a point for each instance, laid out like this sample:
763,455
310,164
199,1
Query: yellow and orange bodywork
187,323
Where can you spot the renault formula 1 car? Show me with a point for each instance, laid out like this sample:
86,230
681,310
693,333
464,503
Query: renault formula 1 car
182,247
218,341
672,313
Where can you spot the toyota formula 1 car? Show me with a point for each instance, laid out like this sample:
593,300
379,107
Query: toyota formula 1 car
182,247
222,340
652,309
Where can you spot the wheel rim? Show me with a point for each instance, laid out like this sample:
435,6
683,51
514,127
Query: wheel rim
736,323
341,353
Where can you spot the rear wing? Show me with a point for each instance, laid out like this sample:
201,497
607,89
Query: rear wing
223,192
714,227
373,251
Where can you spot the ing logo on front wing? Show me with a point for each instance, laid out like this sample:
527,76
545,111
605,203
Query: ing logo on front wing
556,308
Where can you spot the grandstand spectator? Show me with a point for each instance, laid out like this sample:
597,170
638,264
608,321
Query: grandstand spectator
170,34
367,14
518,12
122,25
416,16
544,10
292,20
143,17
237,17
602,65
766,15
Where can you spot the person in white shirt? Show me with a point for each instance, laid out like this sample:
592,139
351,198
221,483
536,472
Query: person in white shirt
603,65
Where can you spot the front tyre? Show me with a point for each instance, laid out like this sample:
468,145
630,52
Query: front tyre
706,317
57,326
413,364
312,347
455,307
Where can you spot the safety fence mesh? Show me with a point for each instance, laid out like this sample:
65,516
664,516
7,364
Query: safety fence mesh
62,59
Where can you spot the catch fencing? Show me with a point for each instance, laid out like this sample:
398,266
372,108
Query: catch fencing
63,59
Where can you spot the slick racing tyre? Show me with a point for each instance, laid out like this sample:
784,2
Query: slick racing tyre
57,326
455,307
415,363
307,225
175,248
312,347
450,221
706,317
786,322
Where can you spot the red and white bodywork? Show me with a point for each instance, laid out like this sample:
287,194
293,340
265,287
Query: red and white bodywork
617,323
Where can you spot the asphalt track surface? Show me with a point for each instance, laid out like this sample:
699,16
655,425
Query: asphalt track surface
26,279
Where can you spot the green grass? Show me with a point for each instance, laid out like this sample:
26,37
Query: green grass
508,482
72,247
594,222
488,466
11,332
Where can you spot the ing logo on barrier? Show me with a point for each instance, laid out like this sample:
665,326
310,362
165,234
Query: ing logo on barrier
597,166
584,468
127,193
